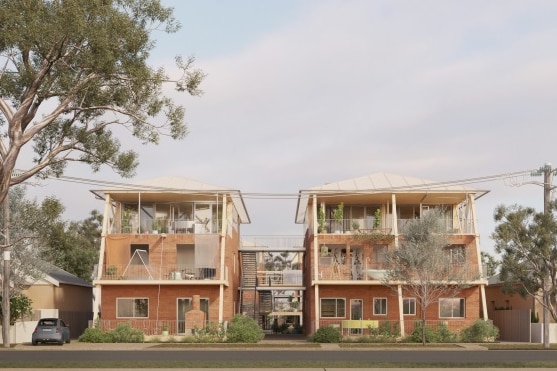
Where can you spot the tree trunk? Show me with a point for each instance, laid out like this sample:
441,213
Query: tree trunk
423,325
545,321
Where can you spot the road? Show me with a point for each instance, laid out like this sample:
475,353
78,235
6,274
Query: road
453,357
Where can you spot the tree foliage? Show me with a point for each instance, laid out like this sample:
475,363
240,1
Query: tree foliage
423,265
20,306
74,246
41,237
490,264
30,223
527,243
72,70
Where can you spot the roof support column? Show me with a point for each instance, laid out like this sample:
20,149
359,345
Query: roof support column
400,310
395,220
315,261
222,251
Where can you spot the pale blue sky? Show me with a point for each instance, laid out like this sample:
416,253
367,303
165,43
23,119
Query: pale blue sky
300,93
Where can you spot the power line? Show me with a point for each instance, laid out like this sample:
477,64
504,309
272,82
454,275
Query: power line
294,196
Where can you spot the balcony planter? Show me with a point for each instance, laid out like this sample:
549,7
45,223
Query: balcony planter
322,227
338,215
111,270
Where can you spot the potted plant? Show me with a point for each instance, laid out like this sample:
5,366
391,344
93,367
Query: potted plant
321,220
155,226
338,215
111,270
355,226
377,219
165,330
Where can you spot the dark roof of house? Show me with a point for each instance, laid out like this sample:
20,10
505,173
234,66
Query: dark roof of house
64,277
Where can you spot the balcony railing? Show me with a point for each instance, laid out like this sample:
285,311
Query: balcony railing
171,272
174,226
280,278
463,226
375,272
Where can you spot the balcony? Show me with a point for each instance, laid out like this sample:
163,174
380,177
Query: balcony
164,272
286,278
375,273
159,226
355,226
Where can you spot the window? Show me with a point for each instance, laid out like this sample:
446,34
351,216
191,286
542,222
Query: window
451,308
333,307
379,252
380,306
409,306
456,254
132,308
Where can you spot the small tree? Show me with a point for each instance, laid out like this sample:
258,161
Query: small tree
527,242
20,306
423,266
243,329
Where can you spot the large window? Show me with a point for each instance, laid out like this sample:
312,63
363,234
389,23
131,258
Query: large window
380,306
333,308
409,306
451,308
379,253
456,254
132,308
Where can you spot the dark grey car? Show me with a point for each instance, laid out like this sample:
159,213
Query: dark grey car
51,330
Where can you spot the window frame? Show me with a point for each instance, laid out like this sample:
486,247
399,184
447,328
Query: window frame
134,307
376,300
461,307
336,310
412,306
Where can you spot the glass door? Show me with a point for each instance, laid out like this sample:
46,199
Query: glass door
356,314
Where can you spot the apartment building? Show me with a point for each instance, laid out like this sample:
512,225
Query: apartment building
169,245
343,272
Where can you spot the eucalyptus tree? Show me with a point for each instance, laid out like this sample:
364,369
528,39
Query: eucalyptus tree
73,71
423,264
527,243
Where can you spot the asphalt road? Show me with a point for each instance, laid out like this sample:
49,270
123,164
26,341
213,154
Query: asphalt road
218,355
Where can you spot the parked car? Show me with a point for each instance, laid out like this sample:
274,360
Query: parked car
51,330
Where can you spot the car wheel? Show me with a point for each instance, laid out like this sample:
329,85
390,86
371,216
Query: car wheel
34,343
61,342
68,341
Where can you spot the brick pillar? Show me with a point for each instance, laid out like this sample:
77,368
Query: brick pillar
195,318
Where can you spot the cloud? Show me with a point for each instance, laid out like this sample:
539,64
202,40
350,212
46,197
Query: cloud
339,89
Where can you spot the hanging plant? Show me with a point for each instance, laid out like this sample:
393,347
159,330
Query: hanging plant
374,237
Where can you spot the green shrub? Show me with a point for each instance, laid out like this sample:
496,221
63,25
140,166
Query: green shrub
431,335
94,335
444,335
480,332
212,333
243,329
387,331
124,333
326,334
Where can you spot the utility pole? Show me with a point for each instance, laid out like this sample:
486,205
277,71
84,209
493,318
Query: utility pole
6,275
547,172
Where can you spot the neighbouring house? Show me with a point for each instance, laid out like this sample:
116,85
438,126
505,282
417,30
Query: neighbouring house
513,314
342,273
56,294
165,242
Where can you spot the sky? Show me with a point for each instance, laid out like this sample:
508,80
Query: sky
302,93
